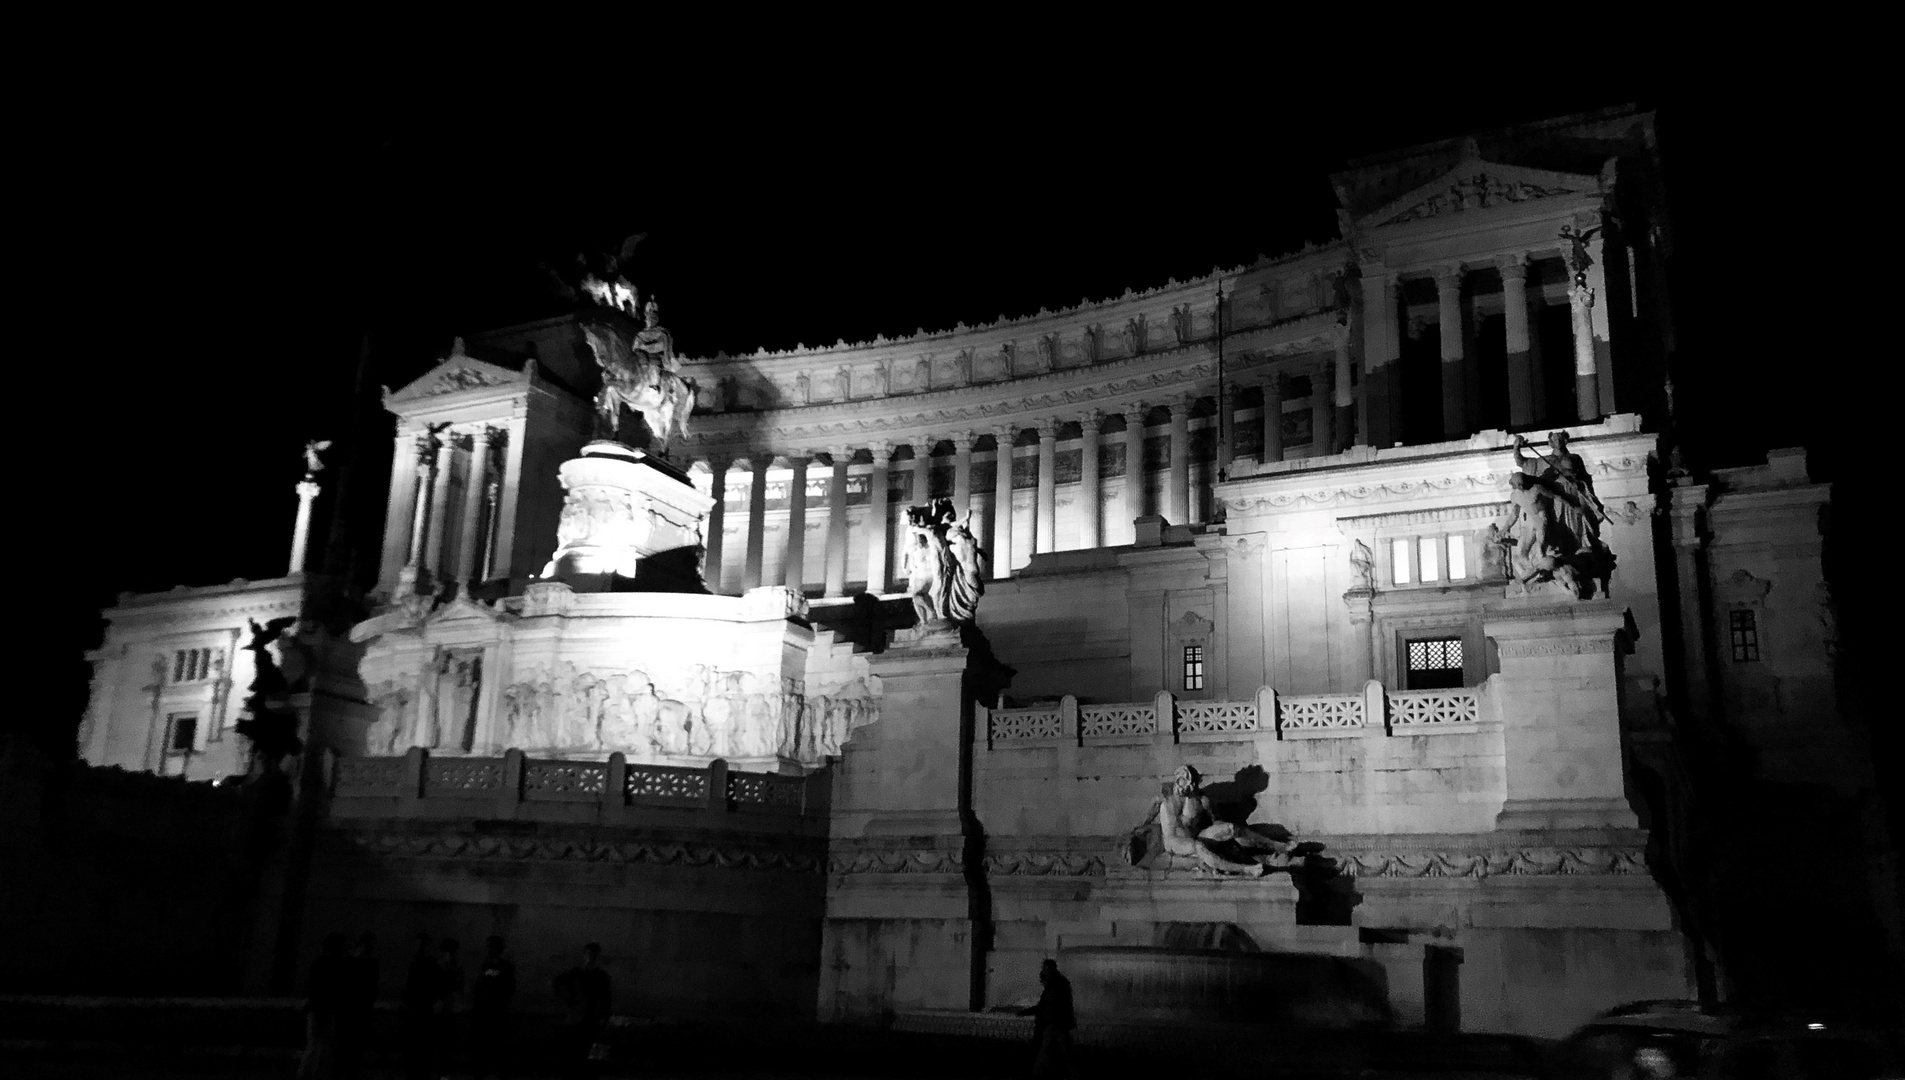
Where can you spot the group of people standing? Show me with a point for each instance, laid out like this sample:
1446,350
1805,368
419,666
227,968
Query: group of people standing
440,999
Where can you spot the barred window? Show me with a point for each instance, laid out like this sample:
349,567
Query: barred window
1193,667
191,665
1745,629
1434,664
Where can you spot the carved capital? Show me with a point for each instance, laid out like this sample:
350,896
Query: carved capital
1448,276
1580,298
717,465
1181,405
1513,266
1048,428
1005,435
841,455
961,441
882,453
1089,420
1134,414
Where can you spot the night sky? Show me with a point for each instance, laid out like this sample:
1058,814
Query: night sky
234,248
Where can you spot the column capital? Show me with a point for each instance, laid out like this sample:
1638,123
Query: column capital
1181,404
482,435
1005,435
1048,428
1513,266
1272,379
841,455
961,440
1135,412
1580,298
797,459
1089,420
882,453
717,463
1447,275
752,463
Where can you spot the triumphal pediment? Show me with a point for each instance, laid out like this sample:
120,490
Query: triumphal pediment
1474,184
456,373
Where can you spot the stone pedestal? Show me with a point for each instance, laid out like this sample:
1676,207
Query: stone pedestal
1558,689
631,517
909,913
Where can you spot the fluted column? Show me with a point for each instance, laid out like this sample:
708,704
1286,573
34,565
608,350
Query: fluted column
1180,486
1046,524
837,522
1134,478
420,511
1322,413
1343,394
756,522
876,523
962,473
1598,323
475,490
301,530
1272,417
1448,294
1521,365
713,545
1382,348
1091,509
402,510
794,567
433,555
1002,505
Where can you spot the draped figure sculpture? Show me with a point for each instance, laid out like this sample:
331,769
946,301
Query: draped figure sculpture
944,565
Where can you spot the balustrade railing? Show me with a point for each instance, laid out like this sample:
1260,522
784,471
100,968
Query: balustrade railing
1294,716
615,782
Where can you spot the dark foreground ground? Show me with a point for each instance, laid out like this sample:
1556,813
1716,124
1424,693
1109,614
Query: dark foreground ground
237,1040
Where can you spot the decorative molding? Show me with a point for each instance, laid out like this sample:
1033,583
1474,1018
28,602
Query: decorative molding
1475,185
1472,512
896,861
1330,496
684,853
1519,862
1578,646
1044,864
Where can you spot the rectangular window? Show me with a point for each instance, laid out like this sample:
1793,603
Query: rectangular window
1399,561
1458,558
1431,557
1745,629
182,736
1193,667
1433,664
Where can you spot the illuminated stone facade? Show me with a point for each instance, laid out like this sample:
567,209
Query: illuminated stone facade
1254,536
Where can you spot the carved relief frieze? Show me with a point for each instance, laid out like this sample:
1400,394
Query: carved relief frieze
1579,646
1475,191
723,855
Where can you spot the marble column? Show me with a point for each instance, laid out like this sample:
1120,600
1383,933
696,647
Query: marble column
402,509
962,473
1598,323
1272,417
1343,393
876,523
1587,384
475,490
756,522
1521,365
301,530
1134,478
1448,294
420,511
1002,505
1322,413
433,561
837,522
1179,511
712,543
1382,348
794,567
1046,524
1091,508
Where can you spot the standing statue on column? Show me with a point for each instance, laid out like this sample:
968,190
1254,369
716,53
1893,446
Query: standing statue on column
314,465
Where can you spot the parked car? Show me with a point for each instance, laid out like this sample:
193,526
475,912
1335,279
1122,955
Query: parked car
1672,1040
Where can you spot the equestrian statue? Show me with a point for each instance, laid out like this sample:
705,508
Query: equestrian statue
639,370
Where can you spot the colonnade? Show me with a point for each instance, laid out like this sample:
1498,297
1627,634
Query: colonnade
882,565
432,555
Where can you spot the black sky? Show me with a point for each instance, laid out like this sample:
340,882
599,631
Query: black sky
231,246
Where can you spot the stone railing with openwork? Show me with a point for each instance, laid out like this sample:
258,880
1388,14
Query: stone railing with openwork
1372,710
486,784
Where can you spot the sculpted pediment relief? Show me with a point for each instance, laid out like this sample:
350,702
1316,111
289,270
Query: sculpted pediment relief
1474,184
456,373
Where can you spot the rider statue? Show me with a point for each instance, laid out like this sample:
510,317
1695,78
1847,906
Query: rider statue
640,370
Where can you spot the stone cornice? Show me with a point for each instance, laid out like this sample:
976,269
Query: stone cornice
724,854
1108,385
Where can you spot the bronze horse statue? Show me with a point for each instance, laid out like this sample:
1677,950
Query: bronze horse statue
639,374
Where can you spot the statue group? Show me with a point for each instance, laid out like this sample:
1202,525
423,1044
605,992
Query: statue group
1551,535
639,370
1183,829
945,567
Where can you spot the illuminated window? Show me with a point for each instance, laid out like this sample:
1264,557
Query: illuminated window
1745,628
1433,663
1430,547
1399,561
1458,558
1193,667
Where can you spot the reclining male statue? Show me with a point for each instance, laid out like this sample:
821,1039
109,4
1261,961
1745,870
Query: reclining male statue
1189,829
